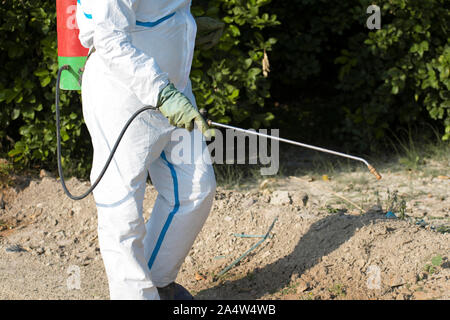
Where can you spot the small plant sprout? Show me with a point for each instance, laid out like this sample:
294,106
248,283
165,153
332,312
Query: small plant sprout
402,209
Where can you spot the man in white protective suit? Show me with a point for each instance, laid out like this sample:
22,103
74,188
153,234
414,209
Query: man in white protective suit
140,54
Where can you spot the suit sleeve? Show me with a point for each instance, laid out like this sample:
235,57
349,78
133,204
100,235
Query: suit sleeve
113,20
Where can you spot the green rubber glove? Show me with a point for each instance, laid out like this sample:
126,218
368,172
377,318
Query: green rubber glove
176,107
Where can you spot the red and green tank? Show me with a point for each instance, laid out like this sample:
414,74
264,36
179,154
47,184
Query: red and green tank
70,50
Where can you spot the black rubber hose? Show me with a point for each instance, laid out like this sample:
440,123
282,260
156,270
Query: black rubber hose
58,138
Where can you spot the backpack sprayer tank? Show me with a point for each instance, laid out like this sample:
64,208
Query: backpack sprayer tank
70,51
72,57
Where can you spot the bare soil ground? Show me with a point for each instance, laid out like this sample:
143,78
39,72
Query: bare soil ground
332,239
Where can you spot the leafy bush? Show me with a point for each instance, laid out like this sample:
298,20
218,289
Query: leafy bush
392,75
330,77
231,88
331,72
229,79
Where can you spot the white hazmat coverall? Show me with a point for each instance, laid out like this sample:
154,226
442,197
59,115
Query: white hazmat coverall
139,47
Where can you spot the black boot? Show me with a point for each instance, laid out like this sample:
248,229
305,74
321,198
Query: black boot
174,291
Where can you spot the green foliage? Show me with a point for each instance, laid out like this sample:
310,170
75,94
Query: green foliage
6,169
229,80
337,79
338,290
331,78
390,76
437,260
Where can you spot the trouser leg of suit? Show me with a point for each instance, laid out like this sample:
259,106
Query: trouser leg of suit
119,196
185,188
107,105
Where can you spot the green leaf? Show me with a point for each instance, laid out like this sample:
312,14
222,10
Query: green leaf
234,94
64,135
15,114
395,89
437,260
234,30
45,81
14,152
41,73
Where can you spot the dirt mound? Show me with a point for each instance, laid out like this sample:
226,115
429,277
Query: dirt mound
331,240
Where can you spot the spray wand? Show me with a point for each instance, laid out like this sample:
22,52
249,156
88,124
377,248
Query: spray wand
299,144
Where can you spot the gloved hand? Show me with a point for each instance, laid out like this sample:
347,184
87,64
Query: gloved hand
209,31
176,107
